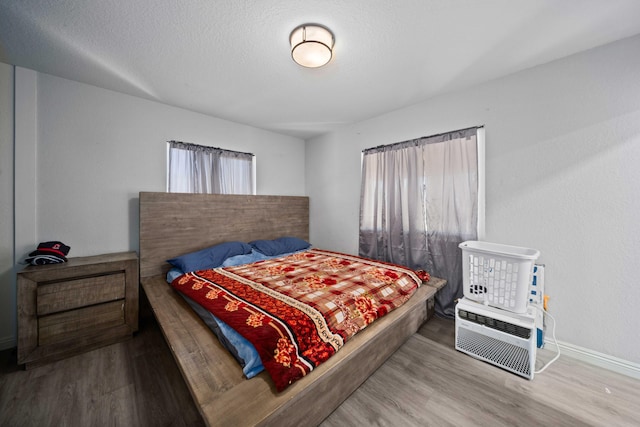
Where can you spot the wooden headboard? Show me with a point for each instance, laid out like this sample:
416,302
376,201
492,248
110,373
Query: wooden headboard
173,224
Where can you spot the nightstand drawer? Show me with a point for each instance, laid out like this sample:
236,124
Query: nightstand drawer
73,324
76,306
70,294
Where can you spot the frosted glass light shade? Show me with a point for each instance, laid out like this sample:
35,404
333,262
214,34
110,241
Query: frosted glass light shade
311,45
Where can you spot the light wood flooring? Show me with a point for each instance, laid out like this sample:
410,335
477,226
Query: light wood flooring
428,383
425,383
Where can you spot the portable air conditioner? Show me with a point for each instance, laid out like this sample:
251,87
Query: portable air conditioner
497,336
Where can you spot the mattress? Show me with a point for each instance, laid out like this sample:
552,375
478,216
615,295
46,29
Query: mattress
296,310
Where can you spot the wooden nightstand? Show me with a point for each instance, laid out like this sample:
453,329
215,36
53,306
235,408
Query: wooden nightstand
68,308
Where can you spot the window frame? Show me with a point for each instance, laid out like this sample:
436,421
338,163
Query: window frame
253,190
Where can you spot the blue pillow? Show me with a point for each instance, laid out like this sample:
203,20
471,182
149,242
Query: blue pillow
267,247
279,246
244,259
293,244
211,257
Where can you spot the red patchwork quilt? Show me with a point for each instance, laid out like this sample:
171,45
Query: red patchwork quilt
300,309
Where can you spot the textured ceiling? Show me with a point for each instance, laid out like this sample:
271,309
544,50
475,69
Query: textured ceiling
231,59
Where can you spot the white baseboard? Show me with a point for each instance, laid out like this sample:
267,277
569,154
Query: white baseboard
592,357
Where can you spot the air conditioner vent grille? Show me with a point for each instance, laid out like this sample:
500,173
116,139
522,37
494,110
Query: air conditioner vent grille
496,324
501,353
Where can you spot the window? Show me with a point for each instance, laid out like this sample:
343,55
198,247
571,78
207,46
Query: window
193,168
419,200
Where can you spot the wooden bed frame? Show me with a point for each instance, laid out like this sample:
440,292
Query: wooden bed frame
172,224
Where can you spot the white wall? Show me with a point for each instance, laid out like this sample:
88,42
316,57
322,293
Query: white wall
7,281
563,145
84,153
96,149
562,176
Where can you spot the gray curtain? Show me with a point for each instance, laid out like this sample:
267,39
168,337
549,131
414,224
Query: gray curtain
201,169
419,200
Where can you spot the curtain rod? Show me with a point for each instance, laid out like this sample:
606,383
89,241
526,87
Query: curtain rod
453,131
212,148
424,137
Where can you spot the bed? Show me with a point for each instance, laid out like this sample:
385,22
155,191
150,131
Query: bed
173,224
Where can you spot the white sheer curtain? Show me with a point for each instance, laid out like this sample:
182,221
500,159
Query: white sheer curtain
235,173
200,169
419,200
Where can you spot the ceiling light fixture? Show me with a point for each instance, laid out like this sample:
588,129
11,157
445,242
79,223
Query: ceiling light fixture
311,45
